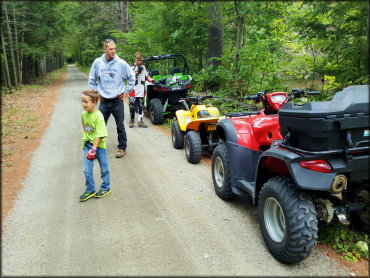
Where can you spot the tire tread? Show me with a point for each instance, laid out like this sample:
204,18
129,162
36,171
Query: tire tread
301,220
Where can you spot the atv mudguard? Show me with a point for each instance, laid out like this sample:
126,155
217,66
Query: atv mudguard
277,158
242,160
195,124
247,166
183,118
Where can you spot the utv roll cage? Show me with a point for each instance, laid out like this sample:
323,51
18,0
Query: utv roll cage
179,63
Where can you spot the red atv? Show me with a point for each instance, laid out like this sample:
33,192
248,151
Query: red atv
300,163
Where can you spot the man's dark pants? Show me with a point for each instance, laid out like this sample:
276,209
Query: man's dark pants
115,107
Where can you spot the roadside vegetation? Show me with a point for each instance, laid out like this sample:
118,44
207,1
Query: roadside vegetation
350,244
16,120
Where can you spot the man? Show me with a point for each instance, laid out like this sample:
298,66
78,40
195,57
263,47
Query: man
112,72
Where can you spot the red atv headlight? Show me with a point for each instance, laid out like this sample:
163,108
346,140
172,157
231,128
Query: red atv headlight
316,165
276,99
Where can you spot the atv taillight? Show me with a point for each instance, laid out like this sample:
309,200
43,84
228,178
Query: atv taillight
316,165
164,89
188,86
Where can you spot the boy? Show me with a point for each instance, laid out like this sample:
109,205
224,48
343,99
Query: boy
94,146
136,96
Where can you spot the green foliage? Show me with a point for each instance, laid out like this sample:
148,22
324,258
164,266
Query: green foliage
168,123
350,244
281,41
335,32
167,27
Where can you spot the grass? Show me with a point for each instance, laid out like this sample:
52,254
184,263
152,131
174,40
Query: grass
168,123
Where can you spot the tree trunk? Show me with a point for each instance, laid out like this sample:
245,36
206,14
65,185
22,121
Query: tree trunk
11,46
36,68
314,65
239,37
19,70
215,39
3,80
215,34
21,55
7,80
123,18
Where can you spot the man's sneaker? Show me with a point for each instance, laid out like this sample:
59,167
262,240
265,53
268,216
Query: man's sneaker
102,193
141,124
120,153
131,123
86,196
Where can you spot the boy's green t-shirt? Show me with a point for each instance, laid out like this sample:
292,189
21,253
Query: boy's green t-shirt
94,126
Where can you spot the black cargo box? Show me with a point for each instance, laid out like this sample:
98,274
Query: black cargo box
340,123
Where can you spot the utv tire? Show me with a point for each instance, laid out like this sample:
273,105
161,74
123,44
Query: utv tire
360,219
177,136
287,220
221,172
156,111
193,147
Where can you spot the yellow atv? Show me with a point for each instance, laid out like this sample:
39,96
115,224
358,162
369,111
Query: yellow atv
196,127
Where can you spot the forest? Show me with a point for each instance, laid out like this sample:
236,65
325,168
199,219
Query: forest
233,48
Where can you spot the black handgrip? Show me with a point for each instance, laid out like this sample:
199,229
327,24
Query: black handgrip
207,96
252,97
313,93
210,97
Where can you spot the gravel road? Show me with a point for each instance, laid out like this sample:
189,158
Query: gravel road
162,217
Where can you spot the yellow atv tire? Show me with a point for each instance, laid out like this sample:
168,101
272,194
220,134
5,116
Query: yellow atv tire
193,147
177,136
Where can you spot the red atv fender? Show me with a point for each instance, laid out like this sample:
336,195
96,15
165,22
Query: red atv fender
257,131
284,162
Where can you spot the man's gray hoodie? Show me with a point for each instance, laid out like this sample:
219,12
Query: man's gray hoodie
112,75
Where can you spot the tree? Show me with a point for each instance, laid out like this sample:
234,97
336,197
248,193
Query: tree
5,65
11,50
215,34
215,40
240,18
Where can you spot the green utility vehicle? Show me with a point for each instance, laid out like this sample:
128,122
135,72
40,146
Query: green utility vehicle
171,82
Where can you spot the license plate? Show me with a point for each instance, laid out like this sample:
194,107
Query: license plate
176,88
211,127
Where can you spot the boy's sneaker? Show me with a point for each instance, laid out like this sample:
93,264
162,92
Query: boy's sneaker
86,196
141,124
102,193
131,123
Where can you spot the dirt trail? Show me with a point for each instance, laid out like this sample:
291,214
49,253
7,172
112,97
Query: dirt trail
162,217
